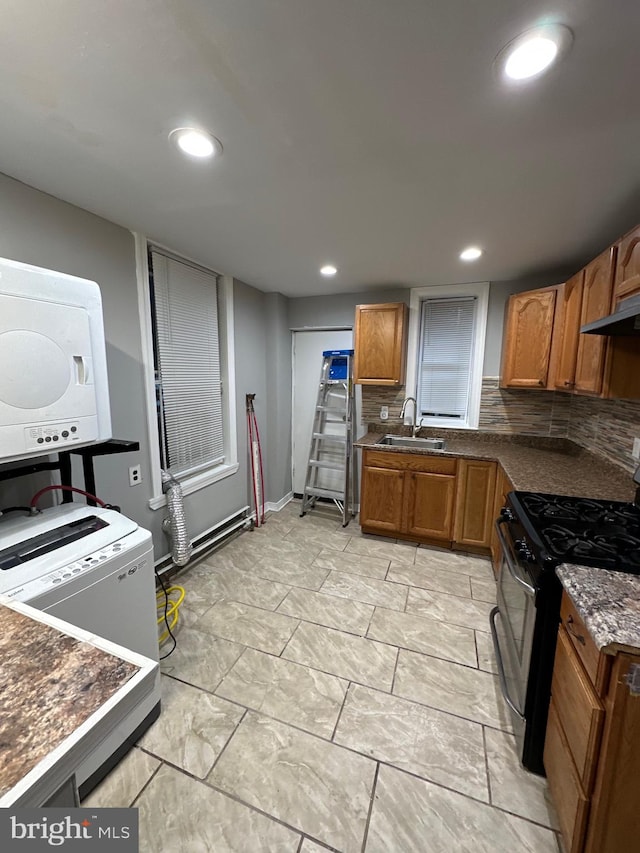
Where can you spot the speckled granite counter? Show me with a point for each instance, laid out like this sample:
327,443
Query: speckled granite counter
608,603
50,683
555,466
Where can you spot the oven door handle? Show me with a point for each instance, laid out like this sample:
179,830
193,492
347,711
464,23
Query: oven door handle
506,551
501,676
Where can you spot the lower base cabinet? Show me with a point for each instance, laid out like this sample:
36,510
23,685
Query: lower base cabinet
592,745
475,503
431,499
407,495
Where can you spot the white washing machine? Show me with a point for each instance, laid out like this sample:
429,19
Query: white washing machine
93,568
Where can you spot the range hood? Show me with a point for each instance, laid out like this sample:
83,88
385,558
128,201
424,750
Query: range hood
625,321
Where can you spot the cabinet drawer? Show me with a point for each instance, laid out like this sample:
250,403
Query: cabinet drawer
582,643
410,462
568,797
578,709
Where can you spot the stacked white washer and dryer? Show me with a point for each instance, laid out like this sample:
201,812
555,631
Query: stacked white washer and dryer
89,566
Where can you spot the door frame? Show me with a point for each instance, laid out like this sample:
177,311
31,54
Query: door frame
343,328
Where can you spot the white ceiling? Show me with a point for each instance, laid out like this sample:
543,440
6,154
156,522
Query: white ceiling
372,134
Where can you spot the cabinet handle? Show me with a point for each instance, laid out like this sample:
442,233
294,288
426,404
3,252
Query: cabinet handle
579,637
541,382
569,384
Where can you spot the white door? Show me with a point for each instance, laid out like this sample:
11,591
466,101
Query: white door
307,363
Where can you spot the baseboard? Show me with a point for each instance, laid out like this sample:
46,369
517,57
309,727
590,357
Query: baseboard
276,506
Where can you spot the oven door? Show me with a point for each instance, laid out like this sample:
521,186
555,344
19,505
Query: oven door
513,625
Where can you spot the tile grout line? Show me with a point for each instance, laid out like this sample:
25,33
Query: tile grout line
148,782
486,766
226,744
284,648
344,702
395,670
365,837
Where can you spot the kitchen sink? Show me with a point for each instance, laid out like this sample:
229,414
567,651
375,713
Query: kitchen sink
408,441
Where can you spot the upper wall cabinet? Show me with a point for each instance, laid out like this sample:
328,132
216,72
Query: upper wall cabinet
380,344
596,302
627,278
567,330
526,353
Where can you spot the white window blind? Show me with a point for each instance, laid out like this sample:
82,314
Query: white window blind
445,357
187,354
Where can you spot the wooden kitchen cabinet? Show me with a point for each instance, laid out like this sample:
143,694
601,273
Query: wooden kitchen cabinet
475,505
429,505
597,291
627,276
592,745
526,354
380,344
567,331
503,487
381,498
408,495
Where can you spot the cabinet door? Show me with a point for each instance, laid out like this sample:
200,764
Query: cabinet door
529,326
627,278
474,503
429,505
381,500
380,343
578,708
596,303
503,487
569,799
614,819
568,350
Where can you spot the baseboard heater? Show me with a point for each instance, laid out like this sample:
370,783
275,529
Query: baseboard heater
209,540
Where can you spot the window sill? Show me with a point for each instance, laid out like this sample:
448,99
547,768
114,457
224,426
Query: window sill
197,482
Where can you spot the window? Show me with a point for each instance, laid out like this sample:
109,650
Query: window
446,348
191,397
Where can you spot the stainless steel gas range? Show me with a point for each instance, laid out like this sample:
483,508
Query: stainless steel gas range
537,533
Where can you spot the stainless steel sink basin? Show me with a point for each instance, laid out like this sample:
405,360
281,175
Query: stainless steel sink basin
407,441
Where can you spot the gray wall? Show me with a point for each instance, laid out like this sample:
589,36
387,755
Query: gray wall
337,309
278,378
39,229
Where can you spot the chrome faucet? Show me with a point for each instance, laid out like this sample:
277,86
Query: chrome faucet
415,428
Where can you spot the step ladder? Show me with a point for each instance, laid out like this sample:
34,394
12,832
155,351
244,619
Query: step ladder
331,470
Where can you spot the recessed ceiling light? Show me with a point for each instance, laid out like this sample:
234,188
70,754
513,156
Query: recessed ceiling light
533,52
195,142
471,253
328,270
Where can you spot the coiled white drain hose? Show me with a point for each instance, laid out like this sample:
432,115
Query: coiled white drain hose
175,525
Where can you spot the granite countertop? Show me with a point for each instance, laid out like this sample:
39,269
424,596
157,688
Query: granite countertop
548,465
50,683
608,603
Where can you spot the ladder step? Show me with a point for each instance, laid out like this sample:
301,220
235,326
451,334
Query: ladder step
333,466
328,437
331,409
324,493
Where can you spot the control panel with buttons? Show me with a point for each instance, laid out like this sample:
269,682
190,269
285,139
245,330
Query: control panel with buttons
63,575
63,434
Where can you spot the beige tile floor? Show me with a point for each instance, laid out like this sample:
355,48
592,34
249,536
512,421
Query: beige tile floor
332,691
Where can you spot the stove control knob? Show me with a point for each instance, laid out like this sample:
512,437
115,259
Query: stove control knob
506,514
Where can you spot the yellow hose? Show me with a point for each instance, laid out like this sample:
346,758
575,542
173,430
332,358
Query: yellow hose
172,610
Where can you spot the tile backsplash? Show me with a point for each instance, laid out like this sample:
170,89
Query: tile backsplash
605,427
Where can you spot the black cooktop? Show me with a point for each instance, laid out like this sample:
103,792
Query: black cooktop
584,531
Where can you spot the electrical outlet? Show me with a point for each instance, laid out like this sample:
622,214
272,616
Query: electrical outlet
384,413
135,475
636,448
